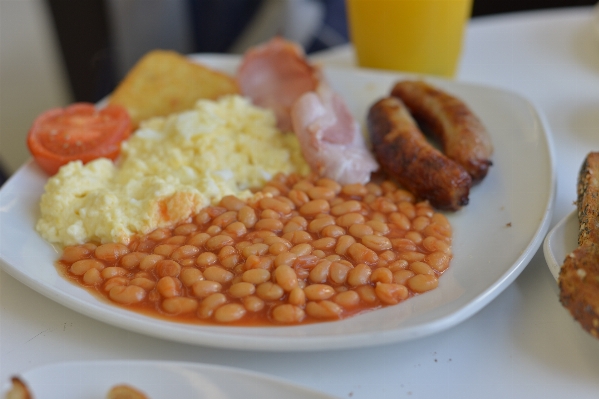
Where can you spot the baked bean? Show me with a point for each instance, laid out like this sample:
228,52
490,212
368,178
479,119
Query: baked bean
400,220
316,225
360,230
411,256
247,216
400,264
383,205
407,208
224,219
185,252
160,234
338,272
190,275
423,282
343,244
112,271
402,276
288,314
438,260
382,275
175,240
115,281
298,197
333,231
347,299
403,196
143,282
231,203
210,303
217,242
218,274
81,266
354,190
324,310
275,205
165,249
258,262
285,277
185,229
198,239
319,192
258,249
292,226
376,243
92,277
168,287
278,248
132,260
421,268
346,207
361,254
367,294
111,252
269,224
206,259
314,207
179,305
269,291
297,297
242,289
359,275
320,272
236,229
420,223
256,276
252,303
332,184
204,288
348,219
316,292
301,249
379,226
229,262
403,245
298,237
167,267
72,254
324,243
391,293
126,295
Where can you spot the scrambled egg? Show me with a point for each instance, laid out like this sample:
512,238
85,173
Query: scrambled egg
168,170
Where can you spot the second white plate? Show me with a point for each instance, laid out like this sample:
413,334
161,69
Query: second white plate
560,241
158,380
495,236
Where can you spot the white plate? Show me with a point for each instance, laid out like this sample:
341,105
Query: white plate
158,380
495,236
560,241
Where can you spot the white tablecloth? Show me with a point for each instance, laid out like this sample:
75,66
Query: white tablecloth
522,345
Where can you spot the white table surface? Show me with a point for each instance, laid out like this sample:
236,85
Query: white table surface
522,345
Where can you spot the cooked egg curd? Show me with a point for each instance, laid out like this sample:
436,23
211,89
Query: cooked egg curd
168,170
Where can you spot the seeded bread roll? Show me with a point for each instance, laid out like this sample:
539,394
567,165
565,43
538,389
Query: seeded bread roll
579,275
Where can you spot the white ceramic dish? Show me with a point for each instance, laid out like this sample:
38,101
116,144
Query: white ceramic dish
158,380
495,236
560,241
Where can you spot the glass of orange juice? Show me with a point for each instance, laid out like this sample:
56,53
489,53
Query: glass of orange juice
422,36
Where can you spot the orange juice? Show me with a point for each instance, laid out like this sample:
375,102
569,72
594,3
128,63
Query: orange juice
423,36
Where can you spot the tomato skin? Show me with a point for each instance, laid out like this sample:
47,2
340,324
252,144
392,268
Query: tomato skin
77,132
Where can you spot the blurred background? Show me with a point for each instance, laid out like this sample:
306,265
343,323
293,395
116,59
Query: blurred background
54,52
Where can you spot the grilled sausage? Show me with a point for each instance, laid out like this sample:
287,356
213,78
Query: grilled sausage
405,154
463,137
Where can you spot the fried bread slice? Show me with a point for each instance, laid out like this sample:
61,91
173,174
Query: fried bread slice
163,82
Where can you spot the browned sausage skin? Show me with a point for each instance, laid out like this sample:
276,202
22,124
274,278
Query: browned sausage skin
462,135
405,154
